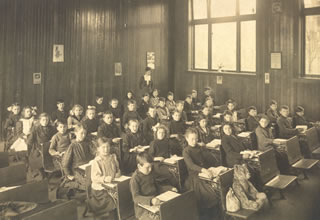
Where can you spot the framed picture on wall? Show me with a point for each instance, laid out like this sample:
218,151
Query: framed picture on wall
58,53
275,59
117,69
36,78
151,58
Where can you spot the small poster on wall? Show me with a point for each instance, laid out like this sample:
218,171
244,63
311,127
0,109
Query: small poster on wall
36,78
276,60
117,69
58,53
151,58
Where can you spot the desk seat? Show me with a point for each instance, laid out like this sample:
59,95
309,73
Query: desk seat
305,163
281,182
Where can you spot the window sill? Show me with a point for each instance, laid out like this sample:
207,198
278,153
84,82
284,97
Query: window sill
308,79
222,73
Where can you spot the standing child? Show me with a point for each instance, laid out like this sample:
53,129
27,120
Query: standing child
200,160
149,124
100,106
130,114
170,103
154,100
79,152
252,120
75,116
144,106
10,125
144,187
104,168
163,112
59,114
90,122
272,112
131,139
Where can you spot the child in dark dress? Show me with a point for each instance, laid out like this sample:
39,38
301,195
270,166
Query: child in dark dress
252,120
170,103
149,124
130,114
59,114
144,106
115,109
100,106
132,139
272,112
10,125
300,119
177,129
75,116
108,128
90,122
204,133
163,112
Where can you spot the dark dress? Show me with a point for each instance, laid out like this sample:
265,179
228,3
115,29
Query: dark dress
129,115
147,125
143,109
300,120
232,147
197,158
100,109
59,115
9,130
117,112
108,130
188,108
204,136
91,125
145,88
177,144
252,123
130,140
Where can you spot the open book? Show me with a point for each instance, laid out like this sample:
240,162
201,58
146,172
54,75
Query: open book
244,134
121,178
280,141
214,144
139,148
252,153
173,159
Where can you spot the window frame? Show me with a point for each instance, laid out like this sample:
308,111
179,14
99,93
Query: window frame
304,13
210,21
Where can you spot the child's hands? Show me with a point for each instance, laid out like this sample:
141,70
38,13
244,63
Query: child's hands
174,189
70,177
116,140
245,156
155,201
201,144
108,179
117,119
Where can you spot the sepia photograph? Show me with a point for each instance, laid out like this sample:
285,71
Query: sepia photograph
159,109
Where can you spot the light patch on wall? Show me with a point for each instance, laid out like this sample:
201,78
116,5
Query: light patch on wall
36,78
219,80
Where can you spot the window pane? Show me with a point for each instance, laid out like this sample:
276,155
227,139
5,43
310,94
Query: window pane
200,9
223,8
312,44
248,46
311,3
248,7
224,46
201,46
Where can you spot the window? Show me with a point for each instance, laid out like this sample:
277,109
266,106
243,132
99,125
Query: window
223,35
311,39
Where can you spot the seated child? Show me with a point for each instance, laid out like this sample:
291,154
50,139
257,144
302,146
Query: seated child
149,124
104,168
177,129
195,100
78,153
188,108
227,119
247,194
40,134
154,99
170,103
163,112
131,114
232,147
108,129
299,118
115,109
90,122
204,133
272,112
59,143
10,125
75,116
252,121
209,104
180,108
286,130
144,106
100,106
131,139
129,97
206,113
144,187
59,114
160,150
200,160
207,93
231,104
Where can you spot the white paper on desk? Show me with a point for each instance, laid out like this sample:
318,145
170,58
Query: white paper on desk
218,115
153,209
280,141
244,134
203,175
121,178
3,189
94,133
166,196
173,159
304,127
214,143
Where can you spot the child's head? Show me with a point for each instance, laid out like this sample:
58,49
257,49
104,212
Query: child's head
134,125
61,127
227,116
148,71
146,97
227,130
104,146
144,163
299,110
91,112
209,101
160,133
189,99
284,111
80,132
60,104
131,105
44,119
191,136
162,102
129,94
252,111
99,99
207,91
108,117
15,108
180,105
176,116
26,112
205,111
170,96
273,105
152,111
264,121
194,93
230,104
155,93
114,103
202,121
77,110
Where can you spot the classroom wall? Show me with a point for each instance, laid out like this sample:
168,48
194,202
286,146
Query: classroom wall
276,32
95,35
